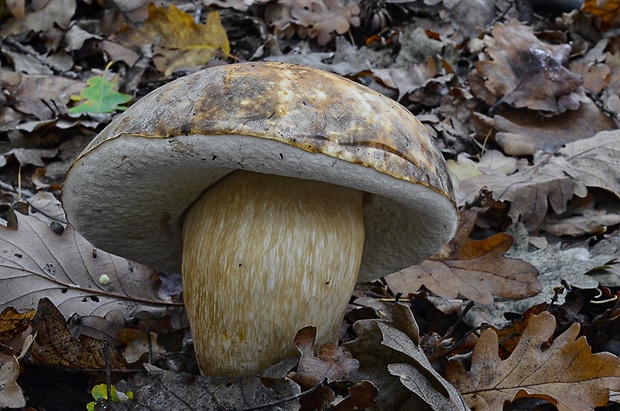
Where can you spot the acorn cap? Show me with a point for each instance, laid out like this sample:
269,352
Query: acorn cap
128,190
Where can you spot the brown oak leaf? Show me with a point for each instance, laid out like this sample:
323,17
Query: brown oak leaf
525,72
56,346
475,269
333,363
530,189
320,19
565,373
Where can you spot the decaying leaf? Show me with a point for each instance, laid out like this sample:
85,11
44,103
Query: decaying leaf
597,160
325,17
35,262
320,19
608,11
179,41
42,16
522,132
477,270
29,156
57,347
530,189
565,373
14,323
332,364
525,72
168,390
137,344
11,395
591,215
45,97
390,357
510,335
553,180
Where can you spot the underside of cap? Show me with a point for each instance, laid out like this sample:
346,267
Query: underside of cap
128,191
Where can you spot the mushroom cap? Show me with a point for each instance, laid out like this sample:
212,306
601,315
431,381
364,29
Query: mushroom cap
128,190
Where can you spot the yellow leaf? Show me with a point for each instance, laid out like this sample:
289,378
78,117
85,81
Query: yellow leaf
179,41
607,11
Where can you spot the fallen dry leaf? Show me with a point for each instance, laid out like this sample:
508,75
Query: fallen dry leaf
11,395
597,160
594,214
477,270
526,72
522,132
13,323
606,11
510,335
391,358
530,189
35,262
179,41
29,156
325,17
361,396
318,19
565,373
168,390
42,15
332,363
45,97
137,344
56,346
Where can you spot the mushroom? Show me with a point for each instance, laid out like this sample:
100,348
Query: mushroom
273,188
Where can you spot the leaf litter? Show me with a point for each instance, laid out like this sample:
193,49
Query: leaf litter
523,109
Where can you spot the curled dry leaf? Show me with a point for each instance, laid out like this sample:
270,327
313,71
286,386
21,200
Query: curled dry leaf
566,373
525,72
139,343
477,270
11,395
35,262
522,132
390,357
597,160
57,347
333,363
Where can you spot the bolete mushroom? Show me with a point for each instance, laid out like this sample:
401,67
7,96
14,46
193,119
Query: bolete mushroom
270,186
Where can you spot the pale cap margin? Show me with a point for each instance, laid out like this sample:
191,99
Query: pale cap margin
127,192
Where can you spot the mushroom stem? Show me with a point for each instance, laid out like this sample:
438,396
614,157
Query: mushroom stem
264,256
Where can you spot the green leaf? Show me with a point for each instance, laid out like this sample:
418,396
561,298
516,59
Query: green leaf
101,391
100,96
